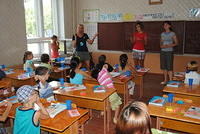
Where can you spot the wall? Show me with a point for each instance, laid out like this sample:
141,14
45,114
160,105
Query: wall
178,7
12,29
152,60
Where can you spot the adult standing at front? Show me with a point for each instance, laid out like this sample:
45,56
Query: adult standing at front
139,40
168,41
79,42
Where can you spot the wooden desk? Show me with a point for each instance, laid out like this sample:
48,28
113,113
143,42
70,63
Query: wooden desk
56,73
91,100
184,92
61,123
176,120
19,82
122,85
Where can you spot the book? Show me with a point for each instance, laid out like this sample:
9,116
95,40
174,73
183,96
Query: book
158,101
73,113
193,112
55,108
143,70
115,74
173,84
23,76
99,89
73,88
179,74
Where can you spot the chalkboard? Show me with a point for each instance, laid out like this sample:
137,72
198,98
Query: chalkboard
116,36
192,37
111,36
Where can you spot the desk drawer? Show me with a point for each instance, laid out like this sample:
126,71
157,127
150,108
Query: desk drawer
180,126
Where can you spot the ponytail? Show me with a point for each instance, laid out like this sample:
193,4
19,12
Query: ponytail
123,60
73,65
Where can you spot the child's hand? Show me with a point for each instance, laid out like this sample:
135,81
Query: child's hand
9,104
105,66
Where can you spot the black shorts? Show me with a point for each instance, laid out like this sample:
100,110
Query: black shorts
166,60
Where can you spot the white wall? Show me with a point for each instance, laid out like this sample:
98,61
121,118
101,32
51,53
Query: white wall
12,31
179,7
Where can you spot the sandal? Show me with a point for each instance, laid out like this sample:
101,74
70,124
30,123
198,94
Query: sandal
163,83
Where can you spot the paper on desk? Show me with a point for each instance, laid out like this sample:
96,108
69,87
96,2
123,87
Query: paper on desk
114,74
73,88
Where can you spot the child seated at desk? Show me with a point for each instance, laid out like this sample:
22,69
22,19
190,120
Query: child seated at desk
192,73
102,62
135,119
28,61
76,74
124,65
105,79
26,118
45,59
41,76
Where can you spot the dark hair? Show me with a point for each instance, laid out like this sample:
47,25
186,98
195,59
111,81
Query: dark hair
123,59
41,70
75,61
192,66
140,24
45,58
26,55
169,23
134,118
95,73
102,60
54,37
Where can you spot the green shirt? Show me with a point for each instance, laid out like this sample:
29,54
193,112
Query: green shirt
46,65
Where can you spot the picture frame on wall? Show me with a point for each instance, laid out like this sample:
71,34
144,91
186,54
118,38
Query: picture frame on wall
155,2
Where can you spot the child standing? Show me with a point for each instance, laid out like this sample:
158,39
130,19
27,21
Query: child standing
45,59
139,41
192,73
102,62
54,47
76,74
28,61
26,118
42,75
105,79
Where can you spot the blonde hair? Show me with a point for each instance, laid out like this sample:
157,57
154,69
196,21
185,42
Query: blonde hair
133,119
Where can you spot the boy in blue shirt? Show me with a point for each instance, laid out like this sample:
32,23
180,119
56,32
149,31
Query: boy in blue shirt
26,118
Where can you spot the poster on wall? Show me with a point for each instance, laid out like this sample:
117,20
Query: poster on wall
90,15
111,17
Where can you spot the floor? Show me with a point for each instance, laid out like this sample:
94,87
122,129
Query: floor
152,88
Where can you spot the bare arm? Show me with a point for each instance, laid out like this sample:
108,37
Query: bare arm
42,113
91,41
85,74
8,108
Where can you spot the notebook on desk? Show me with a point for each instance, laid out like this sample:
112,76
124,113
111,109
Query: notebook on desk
55,108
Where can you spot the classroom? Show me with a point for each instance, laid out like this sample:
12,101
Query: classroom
100,67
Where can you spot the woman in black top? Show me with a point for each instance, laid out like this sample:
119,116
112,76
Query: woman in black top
79,41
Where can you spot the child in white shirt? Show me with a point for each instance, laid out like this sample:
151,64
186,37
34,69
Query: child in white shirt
192,73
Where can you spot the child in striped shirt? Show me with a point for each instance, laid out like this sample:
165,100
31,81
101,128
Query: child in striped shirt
105,79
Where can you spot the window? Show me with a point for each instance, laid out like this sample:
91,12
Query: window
41,23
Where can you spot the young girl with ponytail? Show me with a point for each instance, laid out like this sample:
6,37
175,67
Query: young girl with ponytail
76,74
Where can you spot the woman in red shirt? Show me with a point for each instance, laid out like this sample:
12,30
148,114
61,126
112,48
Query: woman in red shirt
139,40
54,47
